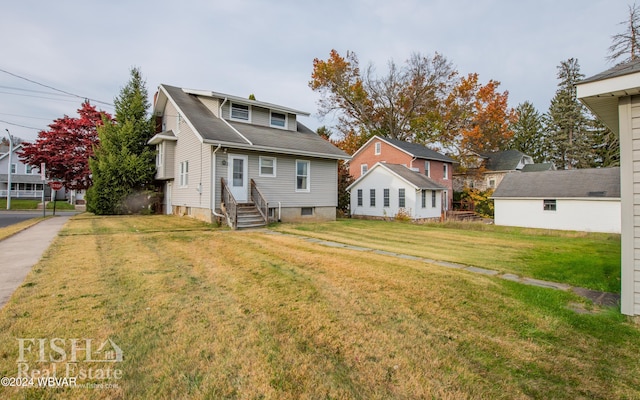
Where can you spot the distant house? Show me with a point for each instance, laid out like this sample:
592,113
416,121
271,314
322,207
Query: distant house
614,97
26,182
578,199
389,190
489,168
241,160
416,157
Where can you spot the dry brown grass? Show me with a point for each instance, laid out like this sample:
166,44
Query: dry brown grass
11,230
205,313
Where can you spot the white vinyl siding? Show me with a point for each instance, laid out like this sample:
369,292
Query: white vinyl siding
281,190
593,215
391,186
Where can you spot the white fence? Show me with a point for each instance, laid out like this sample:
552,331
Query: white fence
22,194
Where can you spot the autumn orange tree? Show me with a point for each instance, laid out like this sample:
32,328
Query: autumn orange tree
423,101
476,118
393,105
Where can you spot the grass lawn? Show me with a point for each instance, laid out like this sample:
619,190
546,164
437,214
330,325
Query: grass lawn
15,228
590,260
201,312
19,204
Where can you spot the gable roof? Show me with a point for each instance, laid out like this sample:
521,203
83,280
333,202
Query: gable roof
416,179
571,183
413,149
506,160
213,130
15,149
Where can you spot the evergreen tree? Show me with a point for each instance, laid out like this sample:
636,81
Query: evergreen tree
568,141
528,132
123,166
606,145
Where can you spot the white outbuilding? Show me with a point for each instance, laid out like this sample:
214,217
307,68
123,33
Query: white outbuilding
392,190
577,199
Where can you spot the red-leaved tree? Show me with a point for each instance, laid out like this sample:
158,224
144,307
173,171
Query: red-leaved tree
67,146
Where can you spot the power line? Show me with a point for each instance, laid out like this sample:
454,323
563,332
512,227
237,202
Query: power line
34,91
53,88
26,116
38,97
22,126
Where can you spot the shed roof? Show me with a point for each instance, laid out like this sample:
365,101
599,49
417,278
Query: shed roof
573,183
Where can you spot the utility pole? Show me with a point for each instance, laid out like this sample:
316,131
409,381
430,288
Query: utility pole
9,172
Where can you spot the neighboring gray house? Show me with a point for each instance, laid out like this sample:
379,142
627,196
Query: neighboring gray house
614,97
223,156
26,182
491,167
578,199
388,190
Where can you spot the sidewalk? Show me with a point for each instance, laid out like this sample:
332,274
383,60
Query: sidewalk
22,251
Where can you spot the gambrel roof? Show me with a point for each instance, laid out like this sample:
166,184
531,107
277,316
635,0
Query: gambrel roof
572,183
213,130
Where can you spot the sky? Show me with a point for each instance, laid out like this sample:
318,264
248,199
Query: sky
266,48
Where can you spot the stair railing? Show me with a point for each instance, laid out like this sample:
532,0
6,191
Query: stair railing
259,201
229,205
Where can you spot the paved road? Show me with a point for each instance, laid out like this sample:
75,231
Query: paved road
13,217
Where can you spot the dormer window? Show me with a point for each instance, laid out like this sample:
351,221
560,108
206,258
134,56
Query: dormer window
278,120
240,112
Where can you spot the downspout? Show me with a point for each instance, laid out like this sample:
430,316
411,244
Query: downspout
213,184
229,125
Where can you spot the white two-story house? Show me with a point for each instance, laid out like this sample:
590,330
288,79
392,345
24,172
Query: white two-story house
245,161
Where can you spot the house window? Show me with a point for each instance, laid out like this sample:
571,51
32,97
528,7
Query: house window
445,171
492,183
267,166
359,197
401,198
427,168
14,168
363,169
184,173
445,200
278,120
385,197
240,112
160,155
549,205
28,169
378,148
424,198
372,197
306,211
433,198
302,176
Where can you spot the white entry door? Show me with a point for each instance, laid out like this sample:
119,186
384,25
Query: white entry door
238,177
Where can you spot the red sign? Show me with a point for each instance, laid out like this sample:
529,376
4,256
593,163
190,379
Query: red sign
55,185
